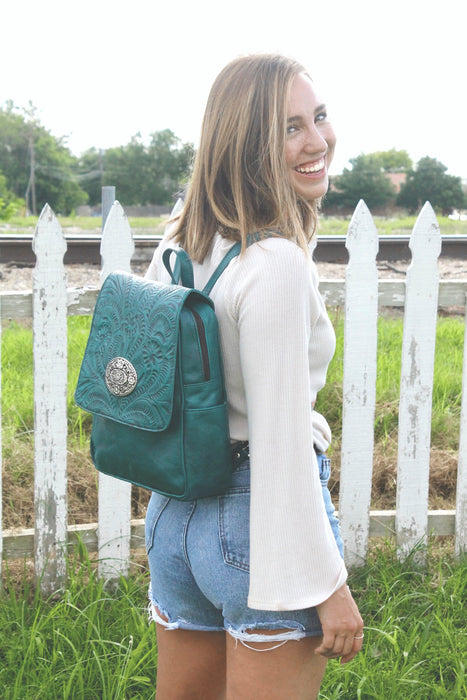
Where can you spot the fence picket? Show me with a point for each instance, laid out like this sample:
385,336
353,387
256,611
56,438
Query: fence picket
416,386
460,542
359,389
1,450
50,396
114,501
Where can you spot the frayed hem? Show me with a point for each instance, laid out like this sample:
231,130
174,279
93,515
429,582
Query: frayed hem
255,636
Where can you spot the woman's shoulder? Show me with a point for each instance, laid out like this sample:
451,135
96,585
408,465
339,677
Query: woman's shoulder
276,247
271,268
278,255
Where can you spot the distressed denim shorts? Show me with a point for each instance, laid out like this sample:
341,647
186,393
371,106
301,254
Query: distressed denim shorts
198,553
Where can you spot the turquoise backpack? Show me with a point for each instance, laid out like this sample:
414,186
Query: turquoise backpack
152,377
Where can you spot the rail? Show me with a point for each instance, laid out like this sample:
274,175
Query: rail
84,248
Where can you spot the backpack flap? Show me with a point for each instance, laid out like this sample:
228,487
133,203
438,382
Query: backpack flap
128,371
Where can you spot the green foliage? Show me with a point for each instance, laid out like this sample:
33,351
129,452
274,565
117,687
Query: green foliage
9,203
430,182
142,174
23,140
365,180
393,161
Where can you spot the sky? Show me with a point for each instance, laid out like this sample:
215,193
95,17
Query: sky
393,74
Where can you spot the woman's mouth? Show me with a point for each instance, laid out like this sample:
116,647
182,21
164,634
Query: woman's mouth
312,168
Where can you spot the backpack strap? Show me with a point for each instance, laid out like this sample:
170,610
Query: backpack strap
182,272
232,253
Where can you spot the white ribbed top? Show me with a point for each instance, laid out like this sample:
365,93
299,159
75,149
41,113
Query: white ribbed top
277,342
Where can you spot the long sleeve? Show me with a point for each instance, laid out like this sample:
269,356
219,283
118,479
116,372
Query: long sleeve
294,560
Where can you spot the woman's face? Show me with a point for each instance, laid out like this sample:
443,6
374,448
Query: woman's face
310,140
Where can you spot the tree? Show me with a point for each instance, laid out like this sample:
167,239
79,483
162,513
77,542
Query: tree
365,180
170,163
142,174
91,174
37,165
393,161
430,182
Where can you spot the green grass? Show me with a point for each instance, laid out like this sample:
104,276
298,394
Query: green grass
26,224
329,226
86,643
90,643
415,637
17,376
334,226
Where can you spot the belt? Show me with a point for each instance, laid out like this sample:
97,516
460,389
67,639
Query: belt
240,452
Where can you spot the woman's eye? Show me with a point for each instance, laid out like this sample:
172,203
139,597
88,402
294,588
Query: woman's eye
292,129
321,117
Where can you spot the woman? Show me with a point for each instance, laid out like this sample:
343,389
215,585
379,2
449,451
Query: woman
241,574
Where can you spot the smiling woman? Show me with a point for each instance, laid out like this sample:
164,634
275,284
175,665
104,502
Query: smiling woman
260,567
310,140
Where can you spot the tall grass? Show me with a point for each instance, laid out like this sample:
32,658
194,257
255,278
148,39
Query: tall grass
84,643
415,638
88,642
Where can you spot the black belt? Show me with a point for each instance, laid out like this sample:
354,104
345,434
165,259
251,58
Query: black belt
240,452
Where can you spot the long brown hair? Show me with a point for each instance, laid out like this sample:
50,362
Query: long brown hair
240,184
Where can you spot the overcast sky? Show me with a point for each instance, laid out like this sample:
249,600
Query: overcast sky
393,74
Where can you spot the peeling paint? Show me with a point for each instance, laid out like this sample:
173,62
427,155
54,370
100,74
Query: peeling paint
414,368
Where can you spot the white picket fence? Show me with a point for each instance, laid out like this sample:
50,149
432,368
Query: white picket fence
115,534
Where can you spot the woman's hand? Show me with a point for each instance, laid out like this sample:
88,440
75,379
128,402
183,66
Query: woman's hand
342,626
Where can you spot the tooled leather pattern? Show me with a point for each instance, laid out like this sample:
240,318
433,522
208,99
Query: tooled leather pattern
139,320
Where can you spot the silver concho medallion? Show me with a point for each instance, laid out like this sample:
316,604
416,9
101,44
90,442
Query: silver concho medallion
120,376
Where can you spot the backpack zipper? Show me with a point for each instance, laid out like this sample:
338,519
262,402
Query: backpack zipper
203,344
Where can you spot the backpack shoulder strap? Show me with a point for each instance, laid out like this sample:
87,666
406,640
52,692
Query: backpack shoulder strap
182,271
232,253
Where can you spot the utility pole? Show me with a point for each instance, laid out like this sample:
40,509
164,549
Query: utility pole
31,188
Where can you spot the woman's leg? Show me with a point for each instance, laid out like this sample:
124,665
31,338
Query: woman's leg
262,672
190,665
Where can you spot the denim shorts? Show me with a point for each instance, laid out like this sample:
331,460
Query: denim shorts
198,553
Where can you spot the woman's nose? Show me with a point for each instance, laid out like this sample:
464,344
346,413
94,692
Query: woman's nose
315,141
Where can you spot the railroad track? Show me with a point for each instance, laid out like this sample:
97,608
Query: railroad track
16,249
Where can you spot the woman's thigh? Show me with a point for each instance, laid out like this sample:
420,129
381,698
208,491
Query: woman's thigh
190,665
266,671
